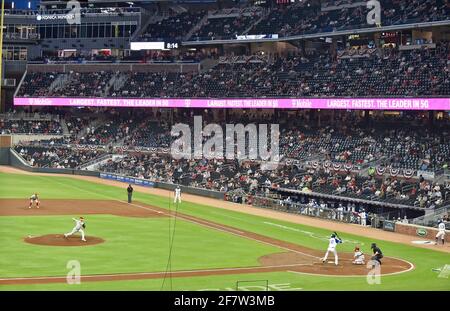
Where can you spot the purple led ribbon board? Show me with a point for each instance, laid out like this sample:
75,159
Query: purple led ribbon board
281,103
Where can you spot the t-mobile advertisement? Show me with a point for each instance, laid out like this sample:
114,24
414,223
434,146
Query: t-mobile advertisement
281,103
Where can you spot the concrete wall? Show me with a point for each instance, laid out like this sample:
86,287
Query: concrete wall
192,190
414,229
85,44
16,138
4,156
5,144
15,69
273,47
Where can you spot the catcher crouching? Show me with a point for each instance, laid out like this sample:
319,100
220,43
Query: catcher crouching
358,257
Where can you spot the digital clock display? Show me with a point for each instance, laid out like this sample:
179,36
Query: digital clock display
172,45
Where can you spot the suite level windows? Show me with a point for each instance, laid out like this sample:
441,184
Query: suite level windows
14,53
87,30
17,31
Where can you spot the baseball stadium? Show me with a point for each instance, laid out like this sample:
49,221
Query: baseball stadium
202,145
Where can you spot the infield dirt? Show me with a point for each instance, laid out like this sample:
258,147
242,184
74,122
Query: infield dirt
60,240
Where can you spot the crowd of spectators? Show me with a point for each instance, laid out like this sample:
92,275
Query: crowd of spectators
147,84
75,58
297,18
56,157
169,57
229,175
74,84
402,143
307,17
112,131
223,28
76,125
424,194
174,27
387,72
149,134
215,174
20,126
86,84
37,84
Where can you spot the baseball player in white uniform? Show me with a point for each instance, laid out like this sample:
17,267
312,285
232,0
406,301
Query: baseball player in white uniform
34,199
358,257
332,243
363,216
79,227
177,195
441,233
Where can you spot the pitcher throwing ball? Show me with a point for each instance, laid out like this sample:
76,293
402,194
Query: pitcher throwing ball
34,199
79,227
332,243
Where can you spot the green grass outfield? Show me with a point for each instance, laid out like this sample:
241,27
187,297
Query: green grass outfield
142,245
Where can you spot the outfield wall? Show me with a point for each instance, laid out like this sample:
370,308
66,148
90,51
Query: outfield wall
192,190
163,185
419,231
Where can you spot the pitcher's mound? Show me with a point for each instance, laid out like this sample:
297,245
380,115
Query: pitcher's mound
60,240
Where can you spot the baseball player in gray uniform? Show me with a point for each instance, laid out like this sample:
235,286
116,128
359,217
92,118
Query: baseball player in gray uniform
79,227
34,199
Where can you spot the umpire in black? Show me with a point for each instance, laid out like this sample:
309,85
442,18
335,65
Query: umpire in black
377,254
130,193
